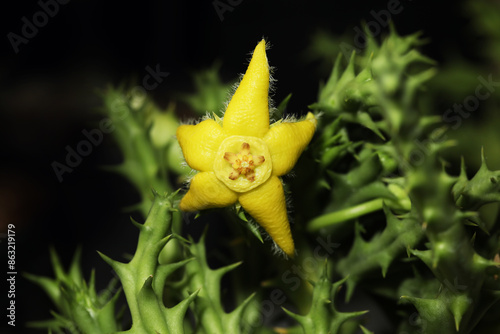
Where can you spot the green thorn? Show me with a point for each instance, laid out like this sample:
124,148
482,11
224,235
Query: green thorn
116,265
458,307
136,224
74,271
182,306
223,270
297,317
350,286
243,305
56,265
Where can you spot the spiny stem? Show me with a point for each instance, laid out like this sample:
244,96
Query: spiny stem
343,215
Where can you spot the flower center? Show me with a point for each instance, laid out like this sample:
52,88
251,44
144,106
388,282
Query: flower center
243,162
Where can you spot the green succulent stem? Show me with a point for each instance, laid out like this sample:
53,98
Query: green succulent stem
80,309
143,163
323,316
143,278
143,264
344,215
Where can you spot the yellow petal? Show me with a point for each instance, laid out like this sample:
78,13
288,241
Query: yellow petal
200,143
207,192
248,112
286,141
267,206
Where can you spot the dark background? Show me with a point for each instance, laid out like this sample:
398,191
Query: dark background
48,95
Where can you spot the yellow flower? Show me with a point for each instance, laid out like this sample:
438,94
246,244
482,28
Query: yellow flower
241,157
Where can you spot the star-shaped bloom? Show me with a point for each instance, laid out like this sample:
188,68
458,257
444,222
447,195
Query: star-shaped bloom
241,157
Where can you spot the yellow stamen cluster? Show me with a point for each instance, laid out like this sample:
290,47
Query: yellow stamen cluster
243,163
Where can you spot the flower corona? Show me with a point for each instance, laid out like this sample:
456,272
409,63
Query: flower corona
243,163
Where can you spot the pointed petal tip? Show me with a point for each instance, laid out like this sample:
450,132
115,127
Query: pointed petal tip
290,252
267,205
311,117
248,111
261,46
259,56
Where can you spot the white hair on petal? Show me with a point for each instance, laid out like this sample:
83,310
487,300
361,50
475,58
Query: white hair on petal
291,174
230,94
272,91
319,115
290,119
189,121
208,115
268,43
188,178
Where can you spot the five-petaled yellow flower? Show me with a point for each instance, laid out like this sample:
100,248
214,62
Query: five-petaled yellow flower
241,157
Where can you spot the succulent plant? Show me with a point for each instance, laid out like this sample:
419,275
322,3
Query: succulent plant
375,208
